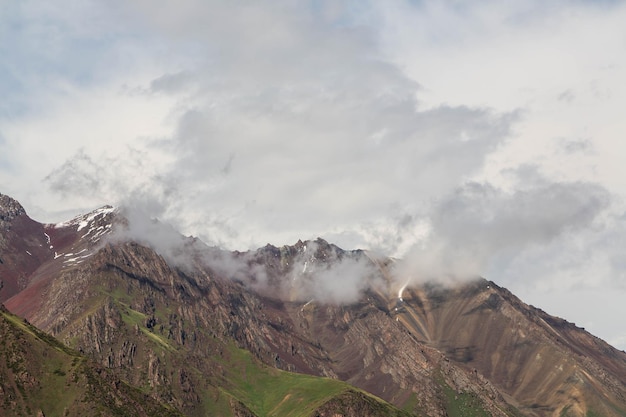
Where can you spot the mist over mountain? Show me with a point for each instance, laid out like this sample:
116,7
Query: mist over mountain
307,329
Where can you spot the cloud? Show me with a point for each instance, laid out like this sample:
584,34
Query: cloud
309,271
323,165
324,273
478,228
574,146
129,179
77,176
567,96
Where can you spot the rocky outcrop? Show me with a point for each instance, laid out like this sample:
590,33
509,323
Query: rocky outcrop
10,209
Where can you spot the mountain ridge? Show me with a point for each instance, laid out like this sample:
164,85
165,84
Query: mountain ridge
428,349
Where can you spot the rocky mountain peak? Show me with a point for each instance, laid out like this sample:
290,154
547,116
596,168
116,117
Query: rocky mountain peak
9,210
93,224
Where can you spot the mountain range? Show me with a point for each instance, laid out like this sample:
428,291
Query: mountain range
112,313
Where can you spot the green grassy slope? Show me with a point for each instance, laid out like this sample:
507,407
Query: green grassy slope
272,392
39,375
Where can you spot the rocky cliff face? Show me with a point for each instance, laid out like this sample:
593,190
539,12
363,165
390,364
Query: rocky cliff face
175,327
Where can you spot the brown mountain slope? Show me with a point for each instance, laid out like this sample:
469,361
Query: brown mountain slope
173,336
161,327
540,364
175,326
27,246
23,247
548,365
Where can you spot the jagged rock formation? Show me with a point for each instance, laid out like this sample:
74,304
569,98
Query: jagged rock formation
177,325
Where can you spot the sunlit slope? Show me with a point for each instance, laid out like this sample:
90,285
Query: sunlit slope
549,366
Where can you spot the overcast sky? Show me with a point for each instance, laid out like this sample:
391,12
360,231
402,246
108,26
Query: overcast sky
468,137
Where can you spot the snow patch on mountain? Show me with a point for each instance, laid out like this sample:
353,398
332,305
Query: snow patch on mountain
85,220
76,258
92,224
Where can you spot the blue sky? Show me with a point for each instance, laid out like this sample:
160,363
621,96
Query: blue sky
468,137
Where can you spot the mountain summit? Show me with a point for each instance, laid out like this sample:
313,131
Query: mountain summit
302,330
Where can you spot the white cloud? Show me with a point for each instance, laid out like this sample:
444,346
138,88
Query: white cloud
478,228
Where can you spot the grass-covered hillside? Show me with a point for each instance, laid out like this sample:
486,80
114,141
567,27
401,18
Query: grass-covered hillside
41,376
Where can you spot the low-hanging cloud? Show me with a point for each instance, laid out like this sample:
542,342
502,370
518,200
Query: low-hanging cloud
326,274
313,271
